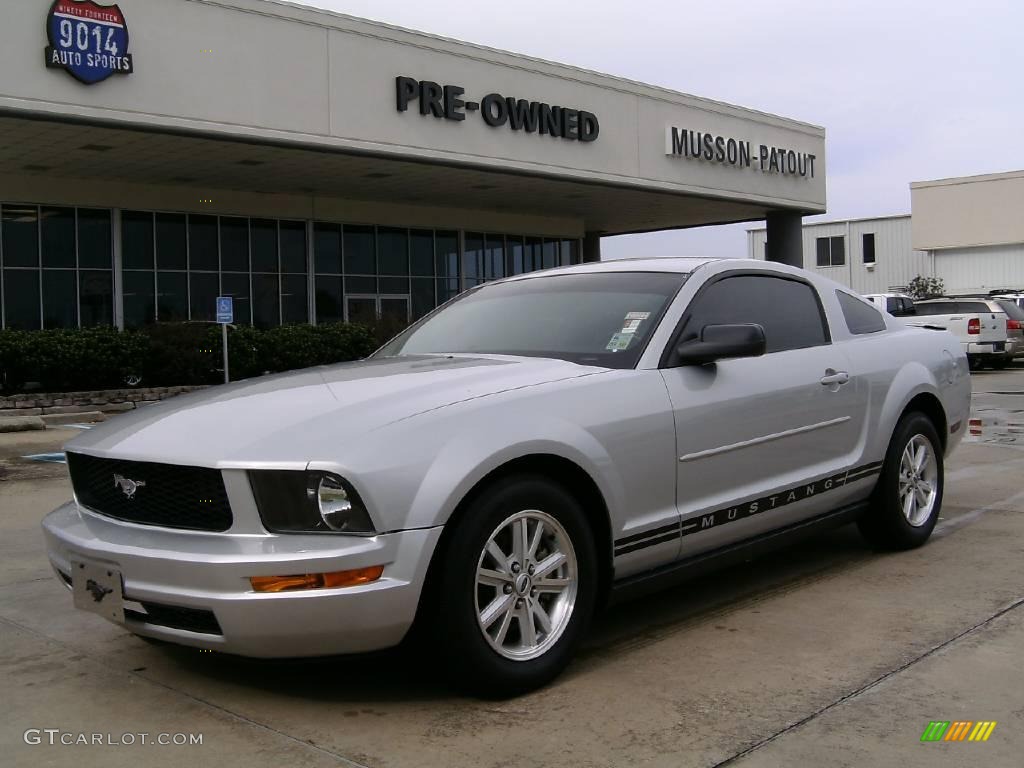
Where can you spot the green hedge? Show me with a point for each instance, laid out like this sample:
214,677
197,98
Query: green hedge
168,354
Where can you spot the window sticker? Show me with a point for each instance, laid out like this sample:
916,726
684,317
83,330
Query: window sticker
632,321
619,342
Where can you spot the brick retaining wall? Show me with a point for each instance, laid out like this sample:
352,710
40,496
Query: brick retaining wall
107,401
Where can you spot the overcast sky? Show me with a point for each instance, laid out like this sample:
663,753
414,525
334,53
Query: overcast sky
907,90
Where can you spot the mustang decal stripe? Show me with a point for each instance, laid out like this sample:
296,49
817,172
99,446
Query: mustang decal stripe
708,520
672,535
647,534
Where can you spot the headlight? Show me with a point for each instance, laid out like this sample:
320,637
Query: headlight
308,502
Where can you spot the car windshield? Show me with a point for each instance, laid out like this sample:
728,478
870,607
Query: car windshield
600,319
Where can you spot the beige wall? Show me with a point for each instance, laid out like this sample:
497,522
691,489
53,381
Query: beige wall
968,212
286,73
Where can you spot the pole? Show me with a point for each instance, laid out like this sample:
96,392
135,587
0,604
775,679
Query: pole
224,344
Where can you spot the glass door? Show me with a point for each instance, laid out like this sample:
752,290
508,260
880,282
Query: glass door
361,309
394,309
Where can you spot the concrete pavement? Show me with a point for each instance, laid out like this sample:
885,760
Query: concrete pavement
825,654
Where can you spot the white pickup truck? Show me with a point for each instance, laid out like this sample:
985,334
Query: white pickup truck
983,334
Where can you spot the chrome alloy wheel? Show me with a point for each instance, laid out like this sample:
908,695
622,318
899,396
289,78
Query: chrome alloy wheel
526,584
919,480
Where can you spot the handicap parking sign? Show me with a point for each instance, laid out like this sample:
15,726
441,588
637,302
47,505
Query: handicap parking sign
225,310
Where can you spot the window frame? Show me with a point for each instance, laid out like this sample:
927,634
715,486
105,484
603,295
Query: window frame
864,239
830,239
668,353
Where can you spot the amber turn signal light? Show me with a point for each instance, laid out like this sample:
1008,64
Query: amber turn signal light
317,580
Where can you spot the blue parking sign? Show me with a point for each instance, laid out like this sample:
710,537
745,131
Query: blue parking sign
225,310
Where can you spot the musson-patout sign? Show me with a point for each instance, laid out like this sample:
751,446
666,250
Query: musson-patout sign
88,40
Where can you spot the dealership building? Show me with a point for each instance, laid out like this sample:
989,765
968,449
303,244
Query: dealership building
316,167
966,231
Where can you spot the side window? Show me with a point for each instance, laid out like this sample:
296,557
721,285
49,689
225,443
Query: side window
860,316
788,310
892,305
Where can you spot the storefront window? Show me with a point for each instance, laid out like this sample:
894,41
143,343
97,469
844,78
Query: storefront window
393,251
96,297
20,241
293,246
57,265
58,232
60,298
360,251
21,299
234,244
95,247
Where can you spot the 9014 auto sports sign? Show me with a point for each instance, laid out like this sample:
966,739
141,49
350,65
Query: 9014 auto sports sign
88,40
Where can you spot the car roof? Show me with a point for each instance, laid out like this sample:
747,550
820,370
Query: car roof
677,264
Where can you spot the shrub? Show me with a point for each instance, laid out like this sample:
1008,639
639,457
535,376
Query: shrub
168,354
922,287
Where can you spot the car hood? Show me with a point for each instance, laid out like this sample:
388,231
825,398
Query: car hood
271,419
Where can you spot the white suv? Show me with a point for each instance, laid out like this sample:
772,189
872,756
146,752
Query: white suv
896,304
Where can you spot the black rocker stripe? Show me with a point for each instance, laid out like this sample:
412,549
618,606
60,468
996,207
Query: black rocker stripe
647,534
666,533
672,535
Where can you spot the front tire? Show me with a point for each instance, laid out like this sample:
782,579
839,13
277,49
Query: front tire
518,587
908,498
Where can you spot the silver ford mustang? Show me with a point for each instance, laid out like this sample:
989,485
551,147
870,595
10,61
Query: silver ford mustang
506,465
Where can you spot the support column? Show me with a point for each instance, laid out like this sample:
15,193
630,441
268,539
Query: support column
591,247
785,238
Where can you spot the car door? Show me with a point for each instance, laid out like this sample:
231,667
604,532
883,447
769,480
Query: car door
761,441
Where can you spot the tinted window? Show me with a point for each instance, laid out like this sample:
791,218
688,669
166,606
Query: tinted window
95,247
831,251
202,244
860,316
788,310
137,240
591,319
20,228
973,306
58,226
869,248
937,308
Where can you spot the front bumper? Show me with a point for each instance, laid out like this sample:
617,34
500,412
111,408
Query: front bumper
175,582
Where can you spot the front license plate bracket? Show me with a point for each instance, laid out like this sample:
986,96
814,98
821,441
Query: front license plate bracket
98,588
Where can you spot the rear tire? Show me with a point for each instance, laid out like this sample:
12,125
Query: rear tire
908,498
975,363
1000,363
517,587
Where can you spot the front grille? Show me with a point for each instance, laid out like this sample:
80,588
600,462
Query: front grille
189,619
148,493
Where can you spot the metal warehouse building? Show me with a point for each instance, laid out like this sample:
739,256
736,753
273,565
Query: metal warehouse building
968,231
158,153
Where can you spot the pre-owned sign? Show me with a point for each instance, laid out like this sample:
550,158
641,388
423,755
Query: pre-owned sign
90,41
446,102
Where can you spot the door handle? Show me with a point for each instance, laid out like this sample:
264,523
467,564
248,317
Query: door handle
833,376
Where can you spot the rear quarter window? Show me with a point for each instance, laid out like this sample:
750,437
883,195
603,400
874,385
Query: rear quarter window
860,316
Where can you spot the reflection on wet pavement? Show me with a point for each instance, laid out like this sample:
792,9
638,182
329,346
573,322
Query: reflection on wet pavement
995,425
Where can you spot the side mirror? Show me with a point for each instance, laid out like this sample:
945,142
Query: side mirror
720,342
